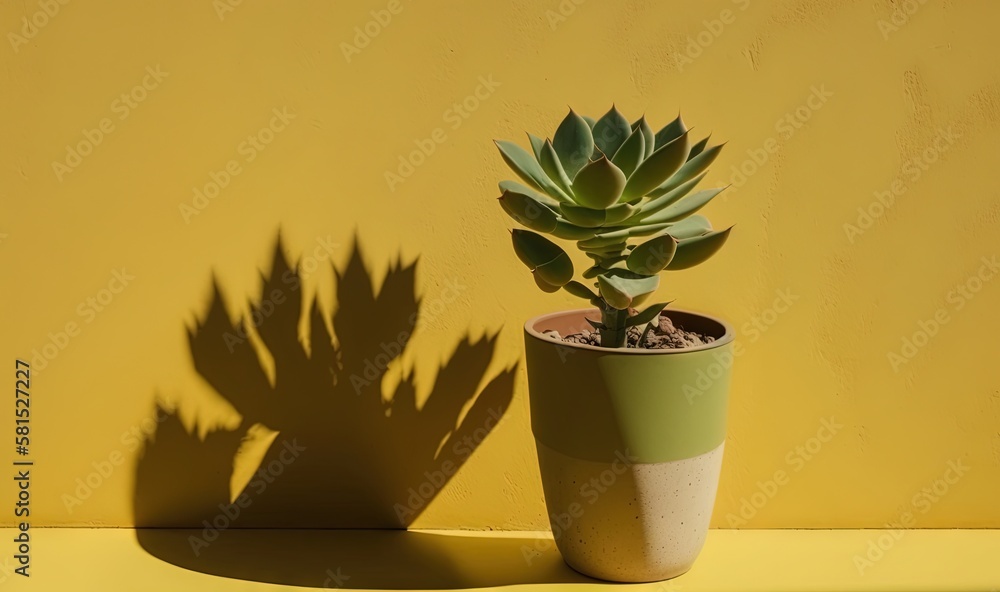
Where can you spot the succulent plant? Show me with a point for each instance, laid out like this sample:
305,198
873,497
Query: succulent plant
624,194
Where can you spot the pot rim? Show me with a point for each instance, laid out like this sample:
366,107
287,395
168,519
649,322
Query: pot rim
726,338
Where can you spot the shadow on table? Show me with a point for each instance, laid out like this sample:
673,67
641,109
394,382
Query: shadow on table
366,559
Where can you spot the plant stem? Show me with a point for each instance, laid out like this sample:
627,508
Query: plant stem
614,333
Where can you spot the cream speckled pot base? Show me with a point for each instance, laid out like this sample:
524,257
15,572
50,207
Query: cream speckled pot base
627,521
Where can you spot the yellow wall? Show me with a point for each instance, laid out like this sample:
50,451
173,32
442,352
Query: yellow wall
886,92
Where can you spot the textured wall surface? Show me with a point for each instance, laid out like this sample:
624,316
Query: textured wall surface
149,146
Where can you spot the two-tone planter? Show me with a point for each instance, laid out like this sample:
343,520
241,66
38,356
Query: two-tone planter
629,445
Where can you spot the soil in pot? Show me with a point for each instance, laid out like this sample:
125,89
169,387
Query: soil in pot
664,335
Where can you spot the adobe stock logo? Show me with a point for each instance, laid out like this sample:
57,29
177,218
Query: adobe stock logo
229,513
377,365
32,25
224,7
900,17
365,34
796,459
567,8
456,115
957,298
106,467
436,479
920,504
713,29
910,172
591,489
785,127
757,326
87,310
248,150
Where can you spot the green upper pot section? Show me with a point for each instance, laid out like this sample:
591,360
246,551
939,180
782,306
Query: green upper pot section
654,405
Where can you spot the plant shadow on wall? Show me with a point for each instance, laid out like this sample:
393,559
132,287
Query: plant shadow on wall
339,455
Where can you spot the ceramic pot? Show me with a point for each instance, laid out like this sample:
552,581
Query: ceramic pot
629,444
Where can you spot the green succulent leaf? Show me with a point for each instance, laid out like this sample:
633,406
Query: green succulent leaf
692,251
554,169
699,147
644,336
647,135
603,241
631,153
684,207
611,131
622,288
543,257
528,211
612,295
616,234
529,169
533,249
609,262
557,272
653,255
617,266
603,183
619,213
690,227
589,218
663,200
670,132
599,184
569,231
582,216
574,143
651,312
536,146
577,289
612,257
605,252
691,169
646,229
515,187
663,163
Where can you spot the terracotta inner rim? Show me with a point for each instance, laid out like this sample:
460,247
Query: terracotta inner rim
574,321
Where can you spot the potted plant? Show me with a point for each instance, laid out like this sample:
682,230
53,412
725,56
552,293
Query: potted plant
628,403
